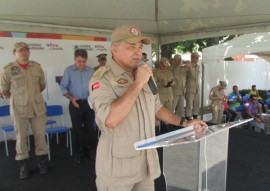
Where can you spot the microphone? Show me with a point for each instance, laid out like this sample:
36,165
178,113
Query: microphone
151,82
152,85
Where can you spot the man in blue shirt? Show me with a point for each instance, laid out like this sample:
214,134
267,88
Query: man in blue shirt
234,98
75,87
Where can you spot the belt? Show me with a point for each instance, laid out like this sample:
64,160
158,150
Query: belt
82,101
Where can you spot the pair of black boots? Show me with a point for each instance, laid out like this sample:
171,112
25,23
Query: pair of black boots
43,167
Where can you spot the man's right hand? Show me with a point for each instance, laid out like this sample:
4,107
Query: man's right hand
74,102
143,73
6,94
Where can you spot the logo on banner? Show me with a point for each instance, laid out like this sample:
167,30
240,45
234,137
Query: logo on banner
53,46
100,47
85,47
35,46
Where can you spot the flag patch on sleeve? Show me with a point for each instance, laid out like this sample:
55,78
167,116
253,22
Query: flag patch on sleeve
95,86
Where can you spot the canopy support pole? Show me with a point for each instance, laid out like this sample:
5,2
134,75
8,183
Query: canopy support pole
202,90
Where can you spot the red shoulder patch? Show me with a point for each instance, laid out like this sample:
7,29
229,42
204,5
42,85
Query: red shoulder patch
95,86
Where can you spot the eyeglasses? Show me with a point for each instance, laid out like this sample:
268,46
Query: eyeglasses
254,99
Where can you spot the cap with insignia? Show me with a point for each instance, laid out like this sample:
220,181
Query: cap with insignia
20,45
128,33
101,56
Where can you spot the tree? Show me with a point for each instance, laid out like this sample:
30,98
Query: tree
192,45
168,49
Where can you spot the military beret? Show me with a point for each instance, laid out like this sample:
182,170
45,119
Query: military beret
101,56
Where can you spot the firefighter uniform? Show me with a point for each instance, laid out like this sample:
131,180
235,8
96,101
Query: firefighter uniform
26,105
118,164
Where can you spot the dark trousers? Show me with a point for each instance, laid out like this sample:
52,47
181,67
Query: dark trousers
84,135
230,115
262,103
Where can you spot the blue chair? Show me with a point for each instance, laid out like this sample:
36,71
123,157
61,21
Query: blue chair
50,113
246,98
268,95
50,122
267,102
239,108
4,112
57,110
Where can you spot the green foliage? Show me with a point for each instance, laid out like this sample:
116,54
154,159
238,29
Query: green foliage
185,46
199,44
243,92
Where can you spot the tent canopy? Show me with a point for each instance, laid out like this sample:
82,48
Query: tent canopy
256,43
166,20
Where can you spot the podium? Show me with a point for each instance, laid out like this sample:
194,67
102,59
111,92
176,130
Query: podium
194,159
266,117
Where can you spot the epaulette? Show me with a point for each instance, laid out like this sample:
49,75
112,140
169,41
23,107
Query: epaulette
31,61
101,71
8,65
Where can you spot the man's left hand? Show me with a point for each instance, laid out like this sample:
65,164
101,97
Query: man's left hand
196,122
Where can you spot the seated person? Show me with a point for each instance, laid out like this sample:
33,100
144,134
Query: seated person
253,109
235,98
229,113
254,91
267,101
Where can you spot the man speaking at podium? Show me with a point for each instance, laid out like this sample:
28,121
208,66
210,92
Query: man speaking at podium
126,110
